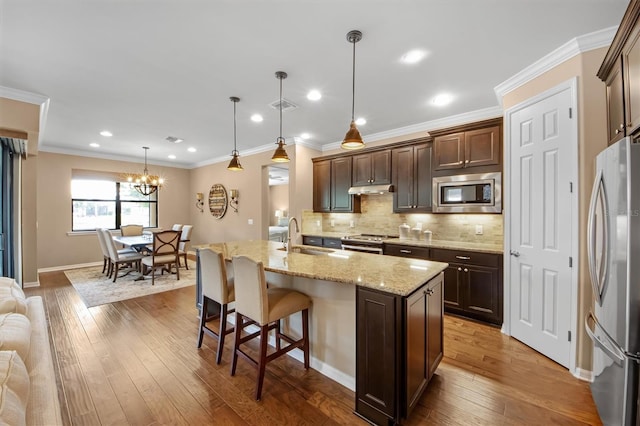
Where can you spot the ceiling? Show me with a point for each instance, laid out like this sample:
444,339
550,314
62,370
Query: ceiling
146,70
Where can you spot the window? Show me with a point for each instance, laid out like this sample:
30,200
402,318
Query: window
109,204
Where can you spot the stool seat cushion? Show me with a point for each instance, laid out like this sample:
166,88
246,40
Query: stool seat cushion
284,302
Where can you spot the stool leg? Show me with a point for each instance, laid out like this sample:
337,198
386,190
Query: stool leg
278,335
236,342
305,337
203,319
222,332
262,362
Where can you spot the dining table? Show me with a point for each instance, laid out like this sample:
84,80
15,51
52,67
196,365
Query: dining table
136,242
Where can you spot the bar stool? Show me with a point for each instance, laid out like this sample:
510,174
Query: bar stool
216,286
266,307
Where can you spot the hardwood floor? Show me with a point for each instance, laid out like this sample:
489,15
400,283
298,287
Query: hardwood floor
135,362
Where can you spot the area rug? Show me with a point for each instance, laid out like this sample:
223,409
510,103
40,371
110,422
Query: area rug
96,289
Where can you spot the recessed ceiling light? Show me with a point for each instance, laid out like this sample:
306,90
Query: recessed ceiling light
361,121
94,145
257,118
106,133
191,149
314,95
172,157
413,56
305,135
442,99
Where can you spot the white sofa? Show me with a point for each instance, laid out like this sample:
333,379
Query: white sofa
28,393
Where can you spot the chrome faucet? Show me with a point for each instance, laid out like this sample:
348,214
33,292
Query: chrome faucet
294,220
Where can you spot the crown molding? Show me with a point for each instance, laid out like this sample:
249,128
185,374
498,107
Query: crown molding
453,120
573,47
120,158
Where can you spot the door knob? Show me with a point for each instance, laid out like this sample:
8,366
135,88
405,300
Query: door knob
514,253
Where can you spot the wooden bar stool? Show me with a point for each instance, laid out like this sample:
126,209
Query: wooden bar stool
266,307
216,286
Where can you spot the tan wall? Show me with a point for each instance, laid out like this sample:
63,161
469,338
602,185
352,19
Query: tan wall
54,246
278,200
22,117
592,138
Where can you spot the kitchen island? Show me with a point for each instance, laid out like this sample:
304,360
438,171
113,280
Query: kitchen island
375,323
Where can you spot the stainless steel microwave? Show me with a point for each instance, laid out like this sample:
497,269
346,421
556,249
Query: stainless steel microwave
475,193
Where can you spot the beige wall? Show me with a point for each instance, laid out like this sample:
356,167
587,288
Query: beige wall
592,138
278,200
54,246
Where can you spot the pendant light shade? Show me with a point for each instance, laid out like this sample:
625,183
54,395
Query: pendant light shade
234,164
280,154
353,140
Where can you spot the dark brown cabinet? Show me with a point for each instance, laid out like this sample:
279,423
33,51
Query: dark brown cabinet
472,284
407,251
479,147
331,183
309,240
398,347
411,177
620,70
372,168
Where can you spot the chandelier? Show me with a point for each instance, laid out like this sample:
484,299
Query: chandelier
145,183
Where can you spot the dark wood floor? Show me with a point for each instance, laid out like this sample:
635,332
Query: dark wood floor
135,362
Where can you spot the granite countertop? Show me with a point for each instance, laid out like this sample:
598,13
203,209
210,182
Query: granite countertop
396,275
452,245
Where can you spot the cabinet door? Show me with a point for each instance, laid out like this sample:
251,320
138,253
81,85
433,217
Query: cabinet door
332,242
341,201
402,167
417,369
362,173
322,186
422,184
615,105
631,61
377,346
482,293
452,286
482,147
312,241
435,326
449,151
381,167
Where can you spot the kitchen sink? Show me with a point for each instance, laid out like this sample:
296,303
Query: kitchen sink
307,250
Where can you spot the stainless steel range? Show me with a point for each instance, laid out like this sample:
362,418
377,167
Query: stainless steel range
366,243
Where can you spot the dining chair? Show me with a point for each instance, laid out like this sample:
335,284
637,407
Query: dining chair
185,242
218,287
119,257
176,227
266,307
131,230
164,253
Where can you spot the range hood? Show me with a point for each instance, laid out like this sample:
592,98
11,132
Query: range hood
370,189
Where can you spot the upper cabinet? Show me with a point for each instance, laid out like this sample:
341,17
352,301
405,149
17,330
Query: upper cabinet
472,148
411,166
331,183
373,168
620,71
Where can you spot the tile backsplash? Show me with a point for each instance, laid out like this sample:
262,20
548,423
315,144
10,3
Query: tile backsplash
377,217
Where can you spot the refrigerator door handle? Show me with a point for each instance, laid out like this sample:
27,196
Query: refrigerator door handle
604,341
598,277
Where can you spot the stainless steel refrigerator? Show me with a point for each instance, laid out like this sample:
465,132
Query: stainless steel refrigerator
613,249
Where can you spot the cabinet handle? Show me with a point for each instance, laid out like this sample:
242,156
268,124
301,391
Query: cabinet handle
459,269
405,251
617,131
467,161
463,257
466,270
460,162
429,292
622,126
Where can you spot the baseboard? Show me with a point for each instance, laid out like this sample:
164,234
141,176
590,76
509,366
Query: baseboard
320,366
32,284
67,267
586,375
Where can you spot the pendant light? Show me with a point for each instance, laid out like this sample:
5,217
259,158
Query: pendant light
353,140
234,164
280,154
145,183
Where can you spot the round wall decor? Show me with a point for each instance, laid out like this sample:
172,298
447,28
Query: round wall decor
218,201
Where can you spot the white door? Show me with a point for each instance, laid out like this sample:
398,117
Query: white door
540,231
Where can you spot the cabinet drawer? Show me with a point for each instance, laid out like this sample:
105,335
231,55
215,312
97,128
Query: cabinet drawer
332,242
407,251
312,241
466,257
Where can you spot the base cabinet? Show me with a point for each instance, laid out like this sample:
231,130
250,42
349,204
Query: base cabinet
399,345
